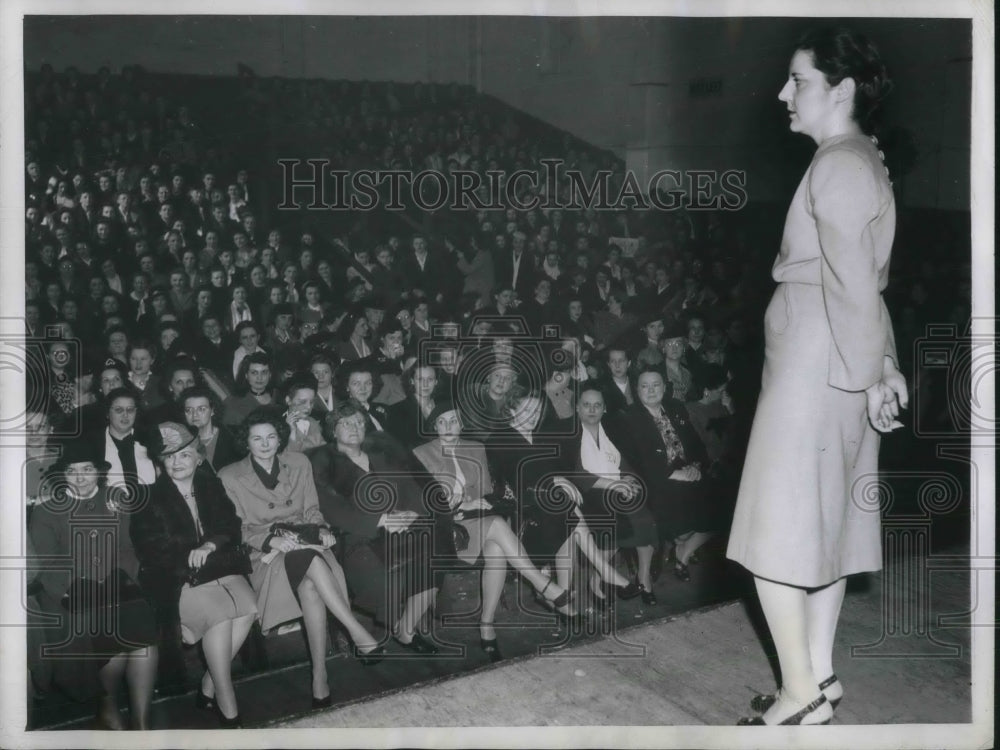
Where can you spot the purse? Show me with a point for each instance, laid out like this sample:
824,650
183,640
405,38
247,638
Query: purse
233,559
300,533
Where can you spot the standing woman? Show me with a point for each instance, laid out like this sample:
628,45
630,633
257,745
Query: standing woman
830,383
187,539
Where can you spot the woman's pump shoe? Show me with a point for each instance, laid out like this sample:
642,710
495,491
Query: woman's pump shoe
204,702
793,720
681,572
233,723
322,702
648,597
418,644
631,591
368,658
490,647
763,701
559,605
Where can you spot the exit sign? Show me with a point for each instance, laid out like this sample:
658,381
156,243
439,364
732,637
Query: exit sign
700,87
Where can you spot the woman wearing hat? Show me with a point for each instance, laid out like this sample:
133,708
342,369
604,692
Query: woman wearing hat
104,631
187,538
674,345
460,467
292,579
353,476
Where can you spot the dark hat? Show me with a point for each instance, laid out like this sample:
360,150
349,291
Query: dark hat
674,329
282,308
440,408
650,316
170,437
158,292
81,451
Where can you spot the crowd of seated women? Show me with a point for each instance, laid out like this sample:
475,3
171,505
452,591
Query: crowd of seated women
268,427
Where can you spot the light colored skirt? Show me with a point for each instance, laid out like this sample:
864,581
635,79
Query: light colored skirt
205,606
478,527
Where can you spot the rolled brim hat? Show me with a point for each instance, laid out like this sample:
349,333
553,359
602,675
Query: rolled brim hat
440,408
170,437
79,452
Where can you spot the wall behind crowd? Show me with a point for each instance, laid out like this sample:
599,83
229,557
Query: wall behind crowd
672,93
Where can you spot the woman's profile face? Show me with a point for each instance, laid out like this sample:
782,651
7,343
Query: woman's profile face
811,101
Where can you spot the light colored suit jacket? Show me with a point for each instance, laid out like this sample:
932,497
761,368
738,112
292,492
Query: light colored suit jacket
471,458
294,500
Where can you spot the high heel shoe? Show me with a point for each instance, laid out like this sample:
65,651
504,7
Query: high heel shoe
559,603
629,591
648,597
233,723
323,702
763,701
369,658
794,719
490,646
681,572
204,702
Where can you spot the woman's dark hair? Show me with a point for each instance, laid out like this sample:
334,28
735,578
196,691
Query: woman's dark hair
242,326
350,322
710,376
144,344
343,377
297,382
116,393
263,415
668,388
201,391
173,367
257,358
839,53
